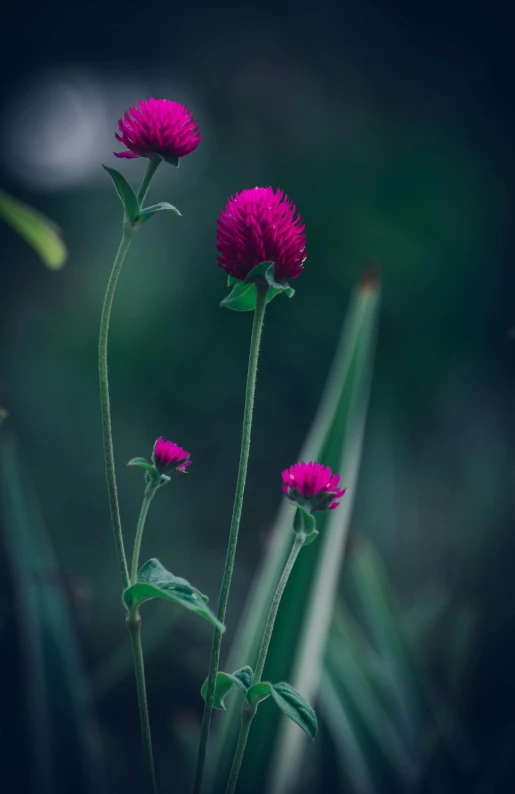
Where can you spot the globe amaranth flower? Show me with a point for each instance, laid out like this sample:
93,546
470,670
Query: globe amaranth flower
158,127
312,486
261,225
168,456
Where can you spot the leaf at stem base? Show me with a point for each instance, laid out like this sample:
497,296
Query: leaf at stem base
154,581
225,682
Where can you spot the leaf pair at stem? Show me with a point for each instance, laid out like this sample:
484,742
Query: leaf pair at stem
135,214
288,700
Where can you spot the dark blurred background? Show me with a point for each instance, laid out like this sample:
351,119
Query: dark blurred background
390,124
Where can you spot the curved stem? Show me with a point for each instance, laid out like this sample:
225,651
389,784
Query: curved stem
147,498
257,327
107,432
105,409
134,623
248,712
300,537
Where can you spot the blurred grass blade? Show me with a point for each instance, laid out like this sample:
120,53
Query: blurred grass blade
335,439
375,603
36,229
416,709
353,766
62,755
355,677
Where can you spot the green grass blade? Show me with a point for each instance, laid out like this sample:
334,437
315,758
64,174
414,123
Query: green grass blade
416,709
37,230
363,693
335,439
62,755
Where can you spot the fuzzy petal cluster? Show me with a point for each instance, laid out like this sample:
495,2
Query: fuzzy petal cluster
168,455
261,225
158,127
312,486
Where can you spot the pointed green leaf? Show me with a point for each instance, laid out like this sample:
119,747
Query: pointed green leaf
225,682
126,194
148,212
304,521
259,272
143,464
242,297
311,537
259,692
295,707
154,581
168,158
36,229
282,286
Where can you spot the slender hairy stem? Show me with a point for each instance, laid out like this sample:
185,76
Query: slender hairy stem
107,433
104,403
134,623
147,498
248,712
261,293
300,537
246,722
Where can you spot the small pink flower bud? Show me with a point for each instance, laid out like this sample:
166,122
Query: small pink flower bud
312,486
169,456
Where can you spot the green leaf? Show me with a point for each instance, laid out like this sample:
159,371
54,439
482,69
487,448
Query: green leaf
242,297
148,212
154,581
259,692
304,521
259,272
149,468
225,682
295,707
336,439
36,229
168,158
126,194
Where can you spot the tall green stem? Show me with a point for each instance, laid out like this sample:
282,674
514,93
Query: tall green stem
107,432
248,712
147,498
134,624
300,537
134,621
259,313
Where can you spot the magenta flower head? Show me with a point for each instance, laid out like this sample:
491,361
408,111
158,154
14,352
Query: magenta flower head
159,127
312,486
168,456
260,225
